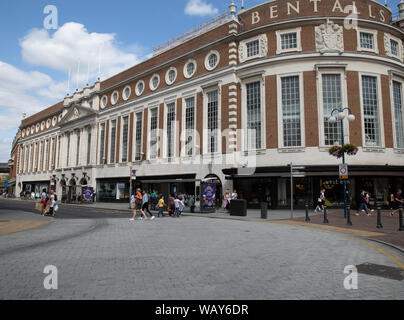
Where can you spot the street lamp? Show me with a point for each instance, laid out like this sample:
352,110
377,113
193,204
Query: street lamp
340,117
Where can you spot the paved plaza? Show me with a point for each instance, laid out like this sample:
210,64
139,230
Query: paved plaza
108,257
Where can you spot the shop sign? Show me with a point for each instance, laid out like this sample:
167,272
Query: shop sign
88,194
343,172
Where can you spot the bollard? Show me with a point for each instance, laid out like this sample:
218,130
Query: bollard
401,219
348,213
325,215
307,213
379,218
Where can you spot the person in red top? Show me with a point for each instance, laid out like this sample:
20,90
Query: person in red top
138,205
398,199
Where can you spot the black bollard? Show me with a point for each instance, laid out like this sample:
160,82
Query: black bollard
307,213
401,220
348,213
379,218
325,215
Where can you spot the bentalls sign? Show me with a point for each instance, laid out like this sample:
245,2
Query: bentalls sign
284,9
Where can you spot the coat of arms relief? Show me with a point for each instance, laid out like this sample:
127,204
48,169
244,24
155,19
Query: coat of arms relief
329,37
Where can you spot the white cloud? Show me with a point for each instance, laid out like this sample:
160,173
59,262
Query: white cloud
72,48
200,8
5,146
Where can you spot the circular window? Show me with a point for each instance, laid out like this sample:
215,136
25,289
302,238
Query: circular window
48,123
32,129
115,97
37,127
54,120
190,69
23,133
60,117
43,125
140,87
154,82
104,101
212,60
171,76
126,93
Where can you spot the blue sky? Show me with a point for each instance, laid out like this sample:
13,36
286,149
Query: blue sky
35,63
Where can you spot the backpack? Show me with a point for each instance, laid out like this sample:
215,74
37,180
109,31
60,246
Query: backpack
47,198
55,197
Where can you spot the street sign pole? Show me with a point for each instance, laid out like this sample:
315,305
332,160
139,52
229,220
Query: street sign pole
130,188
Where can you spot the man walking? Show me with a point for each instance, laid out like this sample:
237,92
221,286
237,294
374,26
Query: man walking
363,204
145,206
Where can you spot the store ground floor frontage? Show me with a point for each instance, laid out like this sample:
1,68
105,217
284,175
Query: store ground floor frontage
273,185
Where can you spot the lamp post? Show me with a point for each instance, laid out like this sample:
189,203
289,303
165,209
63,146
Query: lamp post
341,116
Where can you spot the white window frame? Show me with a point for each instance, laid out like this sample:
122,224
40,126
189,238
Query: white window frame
388,38
121,139
186,75
152,88
168,82
375,40
320,102
393,114
110,139
101,161
183,129
279,34
380,110
207,66
262,49
139,93
104,105
165,136
135,113
149,118
114,101
280,111
124,97
205,119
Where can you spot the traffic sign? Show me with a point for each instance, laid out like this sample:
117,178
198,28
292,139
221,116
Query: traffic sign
132,174
343,172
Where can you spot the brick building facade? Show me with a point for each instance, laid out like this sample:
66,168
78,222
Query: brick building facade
234,103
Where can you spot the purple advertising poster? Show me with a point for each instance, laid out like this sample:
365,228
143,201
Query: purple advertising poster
209,195
88,194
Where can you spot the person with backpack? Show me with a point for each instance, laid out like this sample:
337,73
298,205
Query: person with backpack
138,206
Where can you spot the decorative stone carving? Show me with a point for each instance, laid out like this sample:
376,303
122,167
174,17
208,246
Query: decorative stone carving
387,47
263,48
329,37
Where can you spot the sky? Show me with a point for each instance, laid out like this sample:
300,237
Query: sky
35,61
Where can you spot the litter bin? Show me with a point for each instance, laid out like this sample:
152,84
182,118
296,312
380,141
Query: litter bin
264,210
238,208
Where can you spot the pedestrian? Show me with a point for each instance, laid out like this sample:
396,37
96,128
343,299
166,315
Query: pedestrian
398,202
226,200
44,201
368,202
363,204
179,206
154,200
320,201
132,201
145,205
234,195
52,203
161,205
391,203
171,205
138,206
191,203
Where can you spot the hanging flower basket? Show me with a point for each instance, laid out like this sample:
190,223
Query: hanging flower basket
350,149
338,151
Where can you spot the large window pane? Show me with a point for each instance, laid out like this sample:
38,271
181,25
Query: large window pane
213,121
254,116
125,132
370,111
113,141
138,138
153,133
170,129
332,99
189,125
291,112
102,143
398,114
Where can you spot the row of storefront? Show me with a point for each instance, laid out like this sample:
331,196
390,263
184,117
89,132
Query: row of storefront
270,184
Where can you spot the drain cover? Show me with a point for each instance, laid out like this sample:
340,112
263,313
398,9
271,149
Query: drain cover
381,271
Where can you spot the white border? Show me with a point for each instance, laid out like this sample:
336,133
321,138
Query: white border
186,75
168,75
124,97
279,33
151,82
207,66
375,40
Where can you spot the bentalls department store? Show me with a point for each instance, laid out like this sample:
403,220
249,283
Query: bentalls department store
279,68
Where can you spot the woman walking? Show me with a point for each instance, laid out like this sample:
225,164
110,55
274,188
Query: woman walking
138,206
